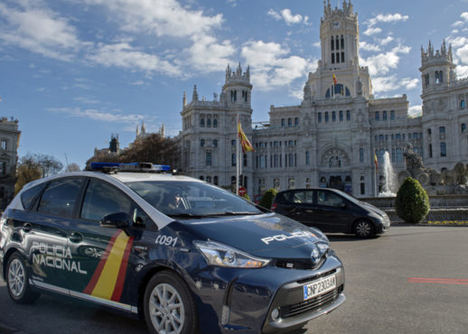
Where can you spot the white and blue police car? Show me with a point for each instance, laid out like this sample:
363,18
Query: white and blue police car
186,255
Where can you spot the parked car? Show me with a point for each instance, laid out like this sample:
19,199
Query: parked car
331,210
187,256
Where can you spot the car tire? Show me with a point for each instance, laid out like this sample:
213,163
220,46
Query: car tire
17,280
364,229
169,305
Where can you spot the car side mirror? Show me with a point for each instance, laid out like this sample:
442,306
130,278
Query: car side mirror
118,220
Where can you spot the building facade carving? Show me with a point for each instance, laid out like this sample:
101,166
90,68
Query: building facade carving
329,139
9,141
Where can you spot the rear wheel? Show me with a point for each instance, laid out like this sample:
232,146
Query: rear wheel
17,279
364,229
168,305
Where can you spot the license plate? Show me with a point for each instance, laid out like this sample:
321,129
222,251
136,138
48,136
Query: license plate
320,286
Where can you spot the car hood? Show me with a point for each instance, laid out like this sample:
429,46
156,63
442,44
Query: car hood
266,235
373,208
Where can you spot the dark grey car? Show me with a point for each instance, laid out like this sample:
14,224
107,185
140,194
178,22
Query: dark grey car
331,210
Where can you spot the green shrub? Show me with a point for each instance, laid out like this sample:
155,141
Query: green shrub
412,203
246,196
267,199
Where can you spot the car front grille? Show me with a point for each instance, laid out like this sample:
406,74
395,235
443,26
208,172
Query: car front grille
311,304
296,263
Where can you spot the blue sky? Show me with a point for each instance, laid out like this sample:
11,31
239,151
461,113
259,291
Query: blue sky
76,71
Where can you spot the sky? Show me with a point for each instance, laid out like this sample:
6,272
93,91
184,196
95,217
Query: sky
74,72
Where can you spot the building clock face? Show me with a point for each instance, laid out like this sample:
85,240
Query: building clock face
336,25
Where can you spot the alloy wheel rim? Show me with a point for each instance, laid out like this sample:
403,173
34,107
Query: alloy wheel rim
16,278
363,229
166,309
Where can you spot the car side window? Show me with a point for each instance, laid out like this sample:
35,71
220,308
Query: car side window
328,198
301,197
29,197
102,199
60,197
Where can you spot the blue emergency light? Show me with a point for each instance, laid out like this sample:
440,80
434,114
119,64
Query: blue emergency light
129,167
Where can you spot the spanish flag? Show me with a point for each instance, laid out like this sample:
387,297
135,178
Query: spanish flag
245,143
334,79
376,161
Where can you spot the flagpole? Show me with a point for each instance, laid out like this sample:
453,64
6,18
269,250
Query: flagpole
237,156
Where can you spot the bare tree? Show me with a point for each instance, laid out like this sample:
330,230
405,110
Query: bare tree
73,167
28,169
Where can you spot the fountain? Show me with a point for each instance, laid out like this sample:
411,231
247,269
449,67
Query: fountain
389,185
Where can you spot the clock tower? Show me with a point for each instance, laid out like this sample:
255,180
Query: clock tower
339,35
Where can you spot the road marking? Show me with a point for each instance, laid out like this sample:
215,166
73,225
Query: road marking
453,281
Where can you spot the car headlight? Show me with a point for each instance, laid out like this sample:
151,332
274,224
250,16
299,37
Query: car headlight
218,254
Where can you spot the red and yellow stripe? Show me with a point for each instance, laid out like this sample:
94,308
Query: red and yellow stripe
109,277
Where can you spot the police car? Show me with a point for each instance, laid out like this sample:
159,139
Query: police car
187,256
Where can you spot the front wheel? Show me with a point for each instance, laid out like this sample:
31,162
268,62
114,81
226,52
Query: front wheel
17,279
168,305
364,229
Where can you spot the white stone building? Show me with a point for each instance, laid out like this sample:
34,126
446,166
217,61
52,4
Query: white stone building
330,138
9,140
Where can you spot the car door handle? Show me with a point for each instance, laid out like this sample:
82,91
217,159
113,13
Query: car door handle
75,237
309,211
27,227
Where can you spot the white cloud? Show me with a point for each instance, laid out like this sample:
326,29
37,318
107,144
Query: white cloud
386,40
415,111
387,18
207,54
372,31
125,56
457,41
462,54
457,24
464,16
96,115
382,63
368,47
462,71
272,66
382,18
288,17
168,18
392,83
39,30
160,17
317,44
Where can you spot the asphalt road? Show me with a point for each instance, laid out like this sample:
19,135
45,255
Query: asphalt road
411,280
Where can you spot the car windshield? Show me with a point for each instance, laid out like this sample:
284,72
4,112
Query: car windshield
187,199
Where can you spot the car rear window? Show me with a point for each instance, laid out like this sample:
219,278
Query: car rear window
29,197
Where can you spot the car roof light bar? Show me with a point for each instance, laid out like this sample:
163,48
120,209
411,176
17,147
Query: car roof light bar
108,167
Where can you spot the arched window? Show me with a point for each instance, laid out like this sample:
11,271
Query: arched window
326,116
319,117
202,142
202,178
342,42
215,180
332,44
208,121
215,122
307,158
208,179
289,122
334,116
337,41
233,159
341,115
463,127
384,115
462,104
202,122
